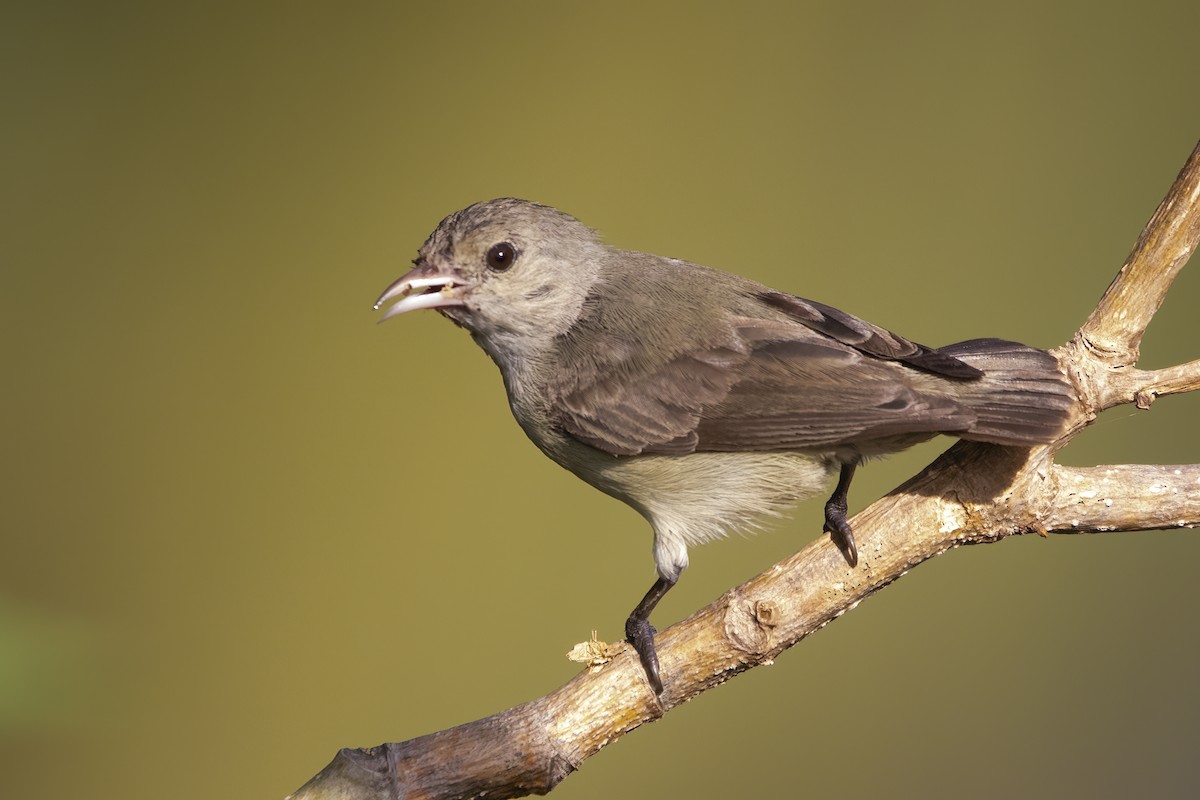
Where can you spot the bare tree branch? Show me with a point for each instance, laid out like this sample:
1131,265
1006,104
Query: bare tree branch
1114,498
1114,330
1141,386
972,493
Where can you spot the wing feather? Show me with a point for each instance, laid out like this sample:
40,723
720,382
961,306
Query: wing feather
810,377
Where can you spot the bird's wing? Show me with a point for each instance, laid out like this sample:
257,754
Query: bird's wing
813,377
866,338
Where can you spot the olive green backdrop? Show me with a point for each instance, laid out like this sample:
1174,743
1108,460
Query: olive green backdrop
243,526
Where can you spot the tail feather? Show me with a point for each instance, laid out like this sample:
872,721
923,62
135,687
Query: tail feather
1023,397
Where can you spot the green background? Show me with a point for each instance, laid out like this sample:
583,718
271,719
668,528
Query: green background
243,526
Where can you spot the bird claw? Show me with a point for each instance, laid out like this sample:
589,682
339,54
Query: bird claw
840,532
640,634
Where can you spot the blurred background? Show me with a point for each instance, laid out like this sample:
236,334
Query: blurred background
243,526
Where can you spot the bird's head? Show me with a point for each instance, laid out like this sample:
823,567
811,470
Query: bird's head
504,269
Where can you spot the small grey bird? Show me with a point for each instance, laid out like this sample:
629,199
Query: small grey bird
704,400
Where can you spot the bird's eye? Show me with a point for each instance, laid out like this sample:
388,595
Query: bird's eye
501,256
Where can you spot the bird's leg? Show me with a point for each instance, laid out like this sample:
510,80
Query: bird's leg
835,515
640,633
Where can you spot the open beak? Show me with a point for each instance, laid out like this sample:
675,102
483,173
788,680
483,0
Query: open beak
422,287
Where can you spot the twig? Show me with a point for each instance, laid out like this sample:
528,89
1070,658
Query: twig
1113,332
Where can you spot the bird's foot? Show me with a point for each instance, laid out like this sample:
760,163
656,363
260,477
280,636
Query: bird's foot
840,531
640,634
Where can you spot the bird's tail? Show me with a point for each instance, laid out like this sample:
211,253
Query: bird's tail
1023,397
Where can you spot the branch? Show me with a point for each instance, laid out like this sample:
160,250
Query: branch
972,493
1123,498
1114,330
1141,387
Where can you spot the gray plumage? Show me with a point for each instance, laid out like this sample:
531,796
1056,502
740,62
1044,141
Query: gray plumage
704,400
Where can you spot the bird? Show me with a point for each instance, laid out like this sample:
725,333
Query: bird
706,401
